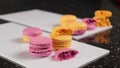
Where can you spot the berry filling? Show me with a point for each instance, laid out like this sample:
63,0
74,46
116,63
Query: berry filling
90,21
67,55
33,48
40,52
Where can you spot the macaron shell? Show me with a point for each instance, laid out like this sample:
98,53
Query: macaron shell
63,38
32,31
68,18
105,13
55,41
61,30
63,44
66,24
39,46
79,26
40,40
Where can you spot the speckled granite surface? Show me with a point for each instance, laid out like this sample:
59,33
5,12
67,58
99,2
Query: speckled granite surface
85,8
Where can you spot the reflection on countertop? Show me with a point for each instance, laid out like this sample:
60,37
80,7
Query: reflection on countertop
101,38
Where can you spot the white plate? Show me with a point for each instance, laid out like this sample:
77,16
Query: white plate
13,48
45,20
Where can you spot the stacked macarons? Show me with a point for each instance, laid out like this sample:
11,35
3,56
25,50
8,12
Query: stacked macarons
40,46
62,34
30,32
102,18
61,37
61,42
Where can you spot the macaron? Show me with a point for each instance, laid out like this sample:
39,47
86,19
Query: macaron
40,46
90,23
102,21
31,32
67,19
63,41
79,28
104,13
61,30
65,54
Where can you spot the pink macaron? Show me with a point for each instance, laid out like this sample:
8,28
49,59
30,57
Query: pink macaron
40,46
40,52
32,31
65,54
90,23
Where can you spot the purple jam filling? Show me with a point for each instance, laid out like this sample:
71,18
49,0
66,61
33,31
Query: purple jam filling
90,21
38,48
67,55
41,52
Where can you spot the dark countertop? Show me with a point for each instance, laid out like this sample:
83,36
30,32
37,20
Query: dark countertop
82,8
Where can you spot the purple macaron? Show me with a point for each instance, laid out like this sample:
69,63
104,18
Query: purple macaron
90,23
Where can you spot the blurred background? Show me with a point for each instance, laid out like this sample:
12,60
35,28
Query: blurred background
82,9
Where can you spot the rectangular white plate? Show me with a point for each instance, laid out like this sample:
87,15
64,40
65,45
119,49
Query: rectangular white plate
13,48
45,20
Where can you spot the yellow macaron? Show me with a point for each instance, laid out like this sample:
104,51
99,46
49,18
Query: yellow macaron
102,21
60,30
79,26
64,38
63,41
105,13
67,19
